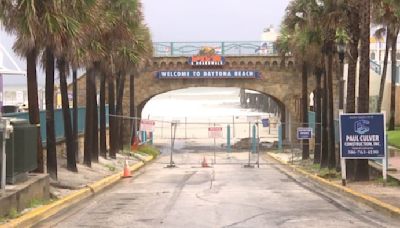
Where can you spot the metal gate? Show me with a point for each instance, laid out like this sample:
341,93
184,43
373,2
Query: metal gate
217,141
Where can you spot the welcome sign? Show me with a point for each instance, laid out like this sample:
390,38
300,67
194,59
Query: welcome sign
196,74
207,60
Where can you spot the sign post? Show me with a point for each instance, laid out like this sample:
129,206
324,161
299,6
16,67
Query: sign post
215,132
362,136
304,133
174,124
147,125
266,123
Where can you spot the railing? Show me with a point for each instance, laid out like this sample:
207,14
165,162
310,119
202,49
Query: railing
58,121
233,48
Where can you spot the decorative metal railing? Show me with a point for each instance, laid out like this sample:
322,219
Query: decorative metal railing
231,48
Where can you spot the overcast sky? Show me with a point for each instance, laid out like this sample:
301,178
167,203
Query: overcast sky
195,20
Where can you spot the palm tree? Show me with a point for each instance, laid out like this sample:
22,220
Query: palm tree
387,14
60,28
318,109
296,21
20,18
73,15
395,5
352,28
362,167
69,140
50,127
103,144
75,112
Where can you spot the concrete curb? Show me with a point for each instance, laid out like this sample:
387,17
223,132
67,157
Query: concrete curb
359,197
38,214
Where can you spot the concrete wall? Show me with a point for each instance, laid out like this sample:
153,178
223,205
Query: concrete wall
20,197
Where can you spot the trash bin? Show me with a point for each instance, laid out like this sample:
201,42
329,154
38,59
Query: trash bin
21,150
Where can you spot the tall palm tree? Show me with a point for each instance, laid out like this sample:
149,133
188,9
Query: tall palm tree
318,109
362,167
395,25
103,143
353,30
69,140
60,27
73,15
387,14
20,18
296,21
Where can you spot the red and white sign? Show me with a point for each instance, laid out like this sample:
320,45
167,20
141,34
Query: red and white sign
147,125
215,132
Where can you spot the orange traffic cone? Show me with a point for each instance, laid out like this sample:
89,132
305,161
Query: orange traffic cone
204,163
127,171
135,144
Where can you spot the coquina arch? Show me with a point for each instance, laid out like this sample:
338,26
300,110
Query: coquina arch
279,79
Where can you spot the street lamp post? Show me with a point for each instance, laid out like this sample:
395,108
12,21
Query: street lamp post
341,48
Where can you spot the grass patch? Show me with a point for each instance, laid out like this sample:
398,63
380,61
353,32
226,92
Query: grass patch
112,168
315,169
37,202
394,138
13,213
390,181
3,220
149,150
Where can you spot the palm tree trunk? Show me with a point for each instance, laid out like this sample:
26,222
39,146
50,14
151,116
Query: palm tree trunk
119,108
324,141
132,105
112,120
304,77
383,77
331,121
103,143
351,97
95,119
317,104
88,147
75,113
393,84
354,32
69,139
50,131
362,167
33,105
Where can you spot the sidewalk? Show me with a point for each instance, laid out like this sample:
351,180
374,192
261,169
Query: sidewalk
387,194
394,163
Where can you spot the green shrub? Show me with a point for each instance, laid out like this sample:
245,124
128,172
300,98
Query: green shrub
149,150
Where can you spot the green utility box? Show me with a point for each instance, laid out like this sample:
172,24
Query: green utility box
21,150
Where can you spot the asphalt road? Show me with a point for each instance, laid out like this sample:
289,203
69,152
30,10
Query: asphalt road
226,195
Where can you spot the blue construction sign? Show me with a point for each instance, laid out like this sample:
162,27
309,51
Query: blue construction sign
304,133
362,135
265,122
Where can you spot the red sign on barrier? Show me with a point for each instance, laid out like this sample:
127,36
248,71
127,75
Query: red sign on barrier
215,132
147,125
